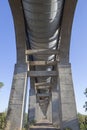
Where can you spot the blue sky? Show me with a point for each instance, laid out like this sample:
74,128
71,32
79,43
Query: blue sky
78,53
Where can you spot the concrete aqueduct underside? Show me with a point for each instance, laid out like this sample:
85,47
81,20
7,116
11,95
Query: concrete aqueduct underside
43,30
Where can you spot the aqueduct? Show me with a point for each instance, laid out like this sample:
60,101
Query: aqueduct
43,30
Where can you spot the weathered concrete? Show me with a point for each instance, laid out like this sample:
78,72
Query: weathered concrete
43,125
18,92
32,101
55,108
20,33
40,112
43,107
59,107
68,105
65,32
49,111
17,98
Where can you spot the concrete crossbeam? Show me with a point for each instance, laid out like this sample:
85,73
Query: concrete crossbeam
43,95
41,63
42,84
42,73
41,51
43,87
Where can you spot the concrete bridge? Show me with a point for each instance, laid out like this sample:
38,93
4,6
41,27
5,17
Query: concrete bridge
43,30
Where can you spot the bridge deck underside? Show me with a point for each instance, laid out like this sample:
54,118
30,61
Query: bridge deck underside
43,24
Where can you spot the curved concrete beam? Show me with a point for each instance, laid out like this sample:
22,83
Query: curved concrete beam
65,32
19,24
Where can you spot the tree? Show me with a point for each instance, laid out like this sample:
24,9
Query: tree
82,121
2,120
1,84
85,106
85,92
25,121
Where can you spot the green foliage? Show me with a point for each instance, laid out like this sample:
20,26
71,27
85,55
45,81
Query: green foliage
1,84
82,121
85,106
2,120
25,121
26,124
32,122
24,129
85,92
67,129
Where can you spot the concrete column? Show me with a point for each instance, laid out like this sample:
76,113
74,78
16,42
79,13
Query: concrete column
55,108
32,101
56,101
20,33
65,32
69,113
17,98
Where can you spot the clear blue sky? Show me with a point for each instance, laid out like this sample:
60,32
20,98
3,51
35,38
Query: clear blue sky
78,53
